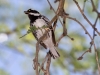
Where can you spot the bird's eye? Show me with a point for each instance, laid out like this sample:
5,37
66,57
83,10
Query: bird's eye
29,10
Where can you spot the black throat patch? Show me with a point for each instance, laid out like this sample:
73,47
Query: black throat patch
33,18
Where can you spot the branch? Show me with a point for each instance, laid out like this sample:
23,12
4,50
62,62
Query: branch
64,20
97,59
86,32
48,65
86,17
94,8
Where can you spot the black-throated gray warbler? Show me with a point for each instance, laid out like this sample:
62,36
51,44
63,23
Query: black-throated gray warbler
38,20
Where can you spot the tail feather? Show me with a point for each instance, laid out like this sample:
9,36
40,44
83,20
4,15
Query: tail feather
54,53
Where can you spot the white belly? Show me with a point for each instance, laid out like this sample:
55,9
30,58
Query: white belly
39,24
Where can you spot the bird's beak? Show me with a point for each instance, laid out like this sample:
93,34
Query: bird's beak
25,12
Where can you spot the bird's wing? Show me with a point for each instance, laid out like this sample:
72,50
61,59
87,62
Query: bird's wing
53,35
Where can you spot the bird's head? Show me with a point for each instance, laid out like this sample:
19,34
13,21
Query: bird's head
31,12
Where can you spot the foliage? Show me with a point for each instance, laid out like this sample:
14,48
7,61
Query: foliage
32,29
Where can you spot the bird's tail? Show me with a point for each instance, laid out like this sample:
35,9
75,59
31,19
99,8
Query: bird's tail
53,52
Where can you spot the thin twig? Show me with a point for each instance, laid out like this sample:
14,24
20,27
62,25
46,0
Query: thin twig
84,6
53,10
81,57
97,59
61,24
41,67
86,17
86,32
64,31
36,57
96,53
48,64
94,8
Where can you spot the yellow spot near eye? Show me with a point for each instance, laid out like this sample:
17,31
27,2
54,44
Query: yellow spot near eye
29,10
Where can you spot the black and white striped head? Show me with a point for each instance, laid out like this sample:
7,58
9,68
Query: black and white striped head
32,12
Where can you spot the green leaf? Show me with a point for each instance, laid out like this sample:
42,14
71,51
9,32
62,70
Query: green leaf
34,28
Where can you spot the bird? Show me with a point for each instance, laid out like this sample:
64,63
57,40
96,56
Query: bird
38,20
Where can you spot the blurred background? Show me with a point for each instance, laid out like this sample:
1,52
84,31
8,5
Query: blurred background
16,54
